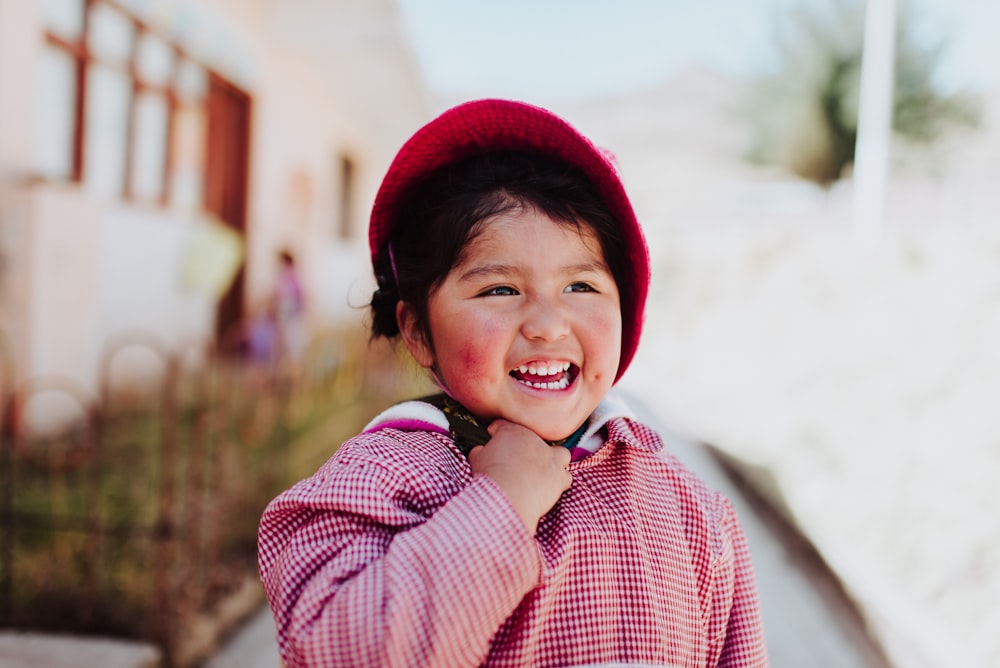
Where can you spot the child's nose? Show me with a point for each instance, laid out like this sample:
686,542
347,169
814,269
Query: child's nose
545,321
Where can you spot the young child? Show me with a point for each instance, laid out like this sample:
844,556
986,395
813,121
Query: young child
523,517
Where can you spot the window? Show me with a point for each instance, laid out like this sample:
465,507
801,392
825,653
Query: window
64,18
109,96
154,61
59,94
56,118
121,109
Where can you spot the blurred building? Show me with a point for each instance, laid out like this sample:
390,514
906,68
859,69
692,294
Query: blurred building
155,155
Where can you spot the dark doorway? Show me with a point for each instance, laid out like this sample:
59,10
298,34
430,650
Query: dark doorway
227,168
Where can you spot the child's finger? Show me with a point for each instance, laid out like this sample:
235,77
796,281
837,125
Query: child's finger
474,454
496,424
500,424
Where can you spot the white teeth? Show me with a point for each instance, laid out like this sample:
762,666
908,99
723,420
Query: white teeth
544,369
560,384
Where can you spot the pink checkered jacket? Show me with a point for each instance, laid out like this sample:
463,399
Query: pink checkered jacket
394,554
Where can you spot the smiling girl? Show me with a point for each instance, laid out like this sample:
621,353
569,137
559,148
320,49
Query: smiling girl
522,517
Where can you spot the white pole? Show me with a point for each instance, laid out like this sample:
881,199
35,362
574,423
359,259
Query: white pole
871,155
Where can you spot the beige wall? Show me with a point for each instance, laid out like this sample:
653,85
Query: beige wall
81,270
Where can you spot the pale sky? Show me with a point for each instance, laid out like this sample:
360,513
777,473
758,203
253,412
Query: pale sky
552,49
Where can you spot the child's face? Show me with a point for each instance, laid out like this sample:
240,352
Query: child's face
527,327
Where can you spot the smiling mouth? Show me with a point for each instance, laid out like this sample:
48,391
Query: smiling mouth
546,375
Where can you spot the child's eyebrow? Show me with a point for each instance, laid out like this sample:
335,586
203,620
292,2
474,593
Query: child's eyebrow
504,270
482,270
586,267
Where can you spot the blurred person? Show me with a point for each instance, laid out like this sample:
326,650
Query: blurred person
288,309
523,516
260,337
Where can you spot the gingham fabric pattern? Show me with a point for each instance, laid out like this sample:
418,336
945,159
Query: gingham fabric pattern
394,554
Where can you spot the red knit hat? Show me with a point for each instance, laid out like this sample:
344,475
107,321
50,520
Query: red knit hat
496,125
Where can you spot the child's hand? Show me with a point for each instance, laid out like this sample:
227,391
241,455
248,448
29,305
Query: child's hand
531,472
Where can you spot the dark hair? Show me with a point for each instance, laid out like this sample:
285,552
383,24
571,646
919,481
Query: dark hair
446,211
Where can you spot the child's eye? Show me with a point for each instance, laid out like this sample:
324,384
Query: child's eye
580,287
498,291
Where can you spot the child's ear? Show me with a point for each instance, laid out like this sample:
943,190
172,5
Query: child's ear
413,334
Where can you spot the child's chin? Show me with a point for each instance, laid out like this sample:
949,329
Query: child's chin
553,433
548,429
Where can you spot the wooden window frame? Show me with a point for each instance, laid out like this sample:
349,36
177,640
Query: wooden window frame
83,57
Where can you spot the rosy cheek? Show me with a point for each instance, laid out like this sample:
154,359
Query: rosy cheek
474,359
605,336
476,353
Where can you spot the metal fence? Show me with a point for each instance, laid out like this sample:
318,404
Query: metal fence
138,517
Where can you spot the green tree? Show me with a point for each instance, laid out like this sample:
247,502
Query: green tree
804,112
